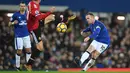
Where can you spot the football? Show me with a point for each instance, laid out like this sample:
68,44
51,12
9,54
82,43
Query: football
61,27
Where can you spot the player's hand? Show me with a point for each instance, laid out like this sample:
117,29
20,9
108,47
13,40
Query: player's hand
86,39
85,34
15,22
52,9
49,18
12,23
82,33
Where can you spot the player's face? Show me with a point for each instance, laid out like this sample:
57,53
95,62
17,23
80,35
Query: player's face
89,19
22,7
38,1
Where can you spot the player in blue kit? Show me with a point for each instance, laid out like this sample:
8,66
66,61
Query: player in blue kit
100,43
22,38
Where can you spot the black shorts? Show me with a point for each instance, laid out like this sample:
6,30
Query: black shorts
36,34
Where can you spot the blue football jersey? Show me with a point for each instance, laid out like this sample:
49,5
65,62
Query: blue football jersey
99,32
20,29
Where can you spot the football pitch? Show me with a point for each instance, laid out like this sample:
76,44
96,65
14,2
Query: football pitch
54,72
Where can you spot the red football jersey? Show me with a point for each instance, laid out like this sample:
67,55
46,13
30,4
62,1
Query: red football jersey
34,15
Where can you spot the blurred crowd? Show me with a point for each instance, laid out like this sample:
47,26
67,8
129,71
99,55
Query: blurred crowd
62,48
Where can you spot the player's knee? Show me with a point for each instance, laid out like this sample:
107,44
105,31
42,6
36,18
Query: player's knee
90,49
95,54
41,49
40,46
28,50
19,52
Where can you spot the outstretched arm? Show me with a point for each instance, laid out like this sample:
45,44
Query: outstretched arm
95,33
35,12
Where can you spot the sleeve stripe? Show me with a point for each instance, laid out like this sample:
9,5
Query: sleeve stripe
98,27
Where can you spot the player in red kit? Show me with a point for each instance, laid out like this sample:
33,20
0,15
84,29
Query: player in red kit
33,17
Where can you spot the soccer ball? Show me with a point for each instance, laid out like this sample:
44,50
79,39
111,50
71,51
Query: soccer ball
61,27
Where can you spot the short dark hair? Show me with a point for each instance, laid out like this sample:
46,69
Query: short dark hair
22,2
89,13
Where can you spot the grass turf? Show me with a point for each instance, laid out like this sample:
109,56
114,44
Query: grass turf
54,72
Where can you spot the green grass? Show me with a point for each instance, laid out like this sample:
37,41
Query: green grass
55,72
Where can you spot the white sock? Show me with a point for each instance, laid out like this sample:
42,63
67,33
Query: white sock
27,56
85,56
89,64
17,61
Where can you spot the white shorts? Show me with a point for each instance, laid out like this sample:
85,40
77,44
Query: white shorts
21,42
100,47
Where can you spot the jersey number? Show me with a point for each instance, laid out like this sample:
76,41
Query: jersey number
102,48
